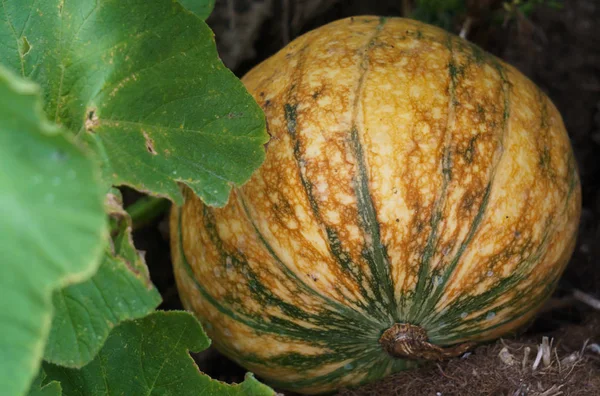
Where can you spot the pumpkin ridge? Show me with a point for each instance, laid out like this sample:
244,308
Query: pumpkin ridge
190,273
281,327
327,323
375,253
342,309
545,160
335,248
522,271
487,298
449,338
334,243
433,299
420,294
573,178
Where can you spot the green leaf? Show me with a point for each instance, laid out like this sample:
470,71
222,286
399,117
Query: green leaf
122,240
149,356
52,388
120,290
202,8
85,313
147,209
142,83
438,12
52,224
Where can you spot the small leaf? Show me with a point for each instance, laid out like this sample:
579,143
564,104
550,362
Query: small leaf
202,8
122,240
52,388
52,224
38,388
142,83
149,356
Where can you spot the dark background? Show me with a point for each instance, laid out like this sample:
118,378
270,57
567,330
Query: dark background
555,45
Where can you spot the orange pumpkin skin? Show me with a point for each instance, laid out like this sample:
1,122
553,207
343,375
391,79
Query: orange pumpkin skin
410,179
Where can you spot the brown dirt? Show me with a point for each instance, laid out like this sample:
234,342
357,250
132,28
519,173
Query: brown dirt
506,368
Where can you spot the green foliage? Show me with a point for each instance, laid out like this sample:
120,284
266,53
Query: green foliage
41,387
146,209
439,12
149,356
52,225
86,312
446,13
97,93
202,8
143,85
526,7
120,290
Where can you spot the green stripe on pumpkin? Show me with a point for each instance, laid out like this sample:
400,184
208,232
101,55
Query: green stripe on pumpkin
327,319
345,310
476,323
433,292
443,323
332,330
374,252
361,364
424,278
334,243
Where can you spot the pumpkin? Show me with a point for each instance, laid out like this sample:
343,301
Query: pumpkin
418,196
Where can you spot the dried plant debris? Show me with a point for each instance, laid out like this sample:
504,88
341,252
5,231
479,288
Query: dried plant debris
542,367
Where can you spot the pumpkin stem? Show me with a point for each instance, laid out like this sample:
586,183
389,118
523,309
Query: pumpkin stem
404,340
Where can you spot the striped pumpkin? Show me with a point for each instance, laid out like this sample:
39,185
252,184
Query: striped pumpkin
418,196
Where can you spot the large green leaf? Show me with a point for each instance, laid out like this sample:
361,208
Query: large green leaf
142,82
86,312
52,225
202,8
149,356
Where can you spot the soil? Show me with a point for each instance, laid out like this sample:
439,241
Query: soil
559,49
